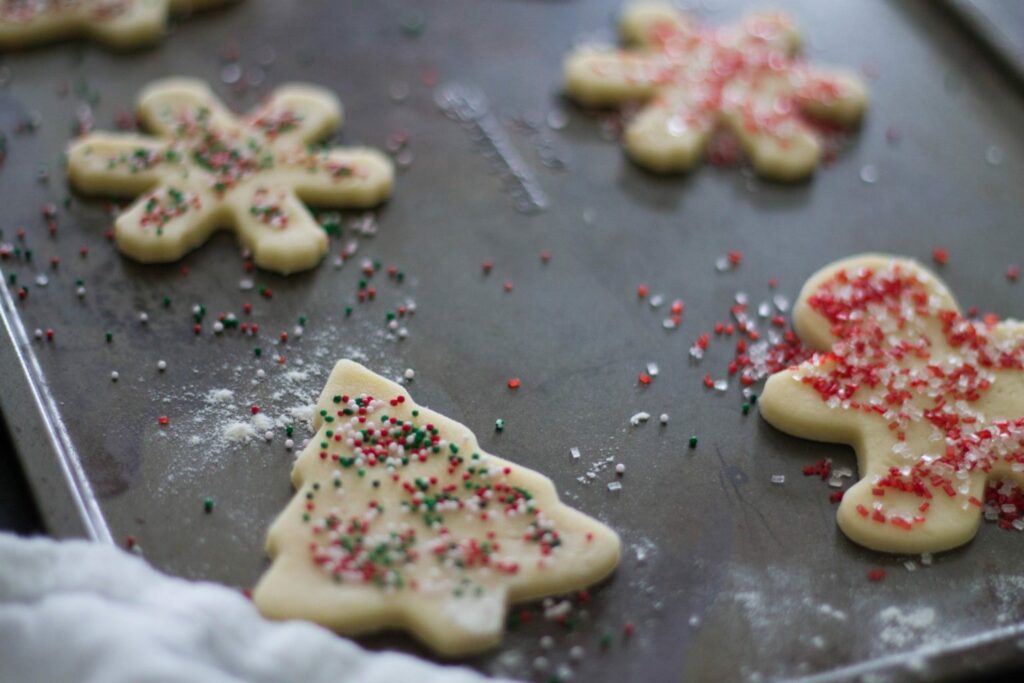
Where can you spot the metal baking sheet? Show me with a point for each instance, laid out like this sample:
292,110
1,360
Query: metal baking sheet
726,576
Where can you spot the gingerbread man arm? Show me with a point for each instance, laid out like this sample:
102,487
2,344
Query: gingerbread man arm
446,599
899,505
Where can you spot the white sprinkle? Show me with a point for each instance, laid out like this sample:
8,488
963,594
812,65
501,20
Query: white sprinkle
994,155
42,280
289,444
652,369
80,291
540,663
722,264
778,478
614,486
663,419
669,324
910,566
869,174
547,642
576,653
575,453
926,559
161,365
557,119
245,284
409,374
298,330
261,373
114,376
38,333
657,300
218,327
143,317
620,469
268,435
639,417
721,385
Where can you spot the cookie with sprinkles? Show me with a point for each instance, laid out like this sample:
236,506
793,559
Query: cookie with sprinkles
692,79
401,521
120,24
204,168
932,402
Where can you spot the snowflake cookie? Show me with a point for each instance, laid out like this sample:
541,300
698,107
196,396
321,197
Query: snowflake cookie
692,78
402,521
933,403
116,23
208,169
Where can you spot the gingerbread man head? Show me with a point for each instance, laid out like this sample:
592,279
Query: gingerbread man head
933,403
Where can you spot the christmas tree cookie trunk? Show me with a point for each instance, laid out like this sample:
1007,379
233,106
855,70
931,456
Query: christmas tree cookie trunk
932,402
401,521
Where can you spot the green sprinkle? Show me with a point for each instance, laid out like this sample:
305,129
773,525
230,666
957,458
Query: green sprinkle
606,639
348,311
109,336
288,430
167,301
745,408
258,351
753,398
302,320
693,441
499,424
208,505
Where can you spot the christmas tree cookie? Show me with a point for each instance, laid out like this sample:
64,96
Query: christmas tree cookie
204,168
401,521
118,24
932,402
692,79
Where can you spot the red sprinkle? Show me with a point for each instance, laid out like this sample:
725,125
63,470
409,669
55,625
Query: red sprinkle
514,383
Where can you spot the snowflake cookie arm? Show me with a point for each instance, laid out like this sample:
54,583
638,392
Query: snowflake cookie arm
297,115
353,177
120,25
168,222
183,106
457,534
276,226
119,165
790,403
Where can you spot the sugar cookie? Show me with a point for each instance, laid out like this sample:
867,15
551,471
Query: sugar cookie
119,24
208,169
693,78
401,521
932,402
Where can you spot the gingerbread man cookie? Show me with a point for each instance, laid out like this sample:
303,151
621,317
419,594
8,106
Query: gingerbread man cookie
402,521
693,78
119,24
932,402
208,169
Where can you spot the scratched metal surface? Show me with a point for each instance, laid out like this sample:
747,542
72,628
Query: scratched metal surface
735,570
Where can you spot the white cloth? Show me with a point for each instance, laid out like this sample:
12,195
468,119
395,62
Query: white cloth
81,612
